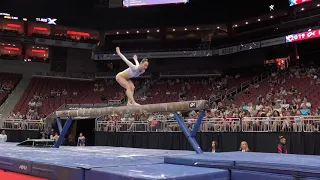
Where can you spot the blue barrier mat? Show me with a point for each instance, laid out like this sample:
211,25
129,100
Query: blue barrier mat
245,175
304,165
157,171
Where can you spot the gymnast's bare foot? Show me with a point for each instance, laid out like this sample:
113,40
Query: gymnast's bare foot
129,104
136,104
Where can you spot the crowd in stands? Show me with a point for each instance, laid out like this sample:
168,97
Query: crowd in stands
44,95
8,82
286,95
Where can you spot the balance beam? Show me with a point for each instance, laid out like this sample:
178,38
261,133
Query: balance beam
148,108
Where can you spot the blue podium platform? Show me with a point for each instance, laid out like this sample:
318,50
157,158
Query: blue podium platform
86,163
117,163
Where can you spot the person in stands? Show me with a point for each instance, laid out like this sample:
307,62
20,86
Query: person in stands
214,147
3,136
282,148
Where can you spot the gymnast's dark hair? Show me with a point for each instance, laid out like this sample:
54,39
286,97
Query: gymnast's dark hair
144,60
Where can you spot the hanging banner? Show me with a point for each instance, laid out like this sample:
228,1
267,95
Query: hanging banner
228,50
273,42
171,54
249,46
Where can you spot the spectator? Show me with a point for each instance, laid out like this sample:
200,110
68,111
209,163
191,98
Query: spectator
214,147
304,110
64,92
244,147
3,136
56,137
282,148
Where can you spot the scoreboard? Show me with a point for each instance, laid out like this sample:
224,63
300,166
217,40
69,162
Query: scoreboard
132,3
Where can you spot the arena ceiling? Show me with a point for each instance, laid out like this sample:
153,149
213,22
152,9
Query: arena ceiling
95,15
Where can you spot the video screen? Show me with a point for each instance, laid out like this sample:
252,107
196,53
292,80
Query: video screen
303,36
296,2
132,3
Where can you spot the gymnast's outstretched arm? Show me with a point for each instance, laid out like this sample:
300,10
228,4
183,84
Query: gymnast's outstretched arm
124,58
135,58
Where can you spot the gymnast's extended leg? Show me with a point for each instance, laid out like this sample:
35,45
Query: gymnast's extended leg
132,87
129,89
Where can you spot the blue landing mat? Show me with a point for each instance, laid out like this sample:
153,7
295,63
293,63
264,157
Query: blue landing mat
157,171
245,175
71,163
303,165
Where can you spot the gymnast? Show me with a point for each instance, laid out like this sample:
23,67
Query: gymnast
134,70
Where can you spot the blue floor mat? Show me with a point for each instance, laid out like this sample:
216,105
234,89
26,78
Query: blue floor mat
245,175
266,162
157,171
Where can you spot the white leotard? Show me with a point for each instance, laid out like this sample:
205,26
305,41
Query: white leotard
132,72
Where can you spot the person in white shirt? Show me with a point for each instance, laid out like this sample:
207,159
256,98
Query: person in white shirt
3,136
134,70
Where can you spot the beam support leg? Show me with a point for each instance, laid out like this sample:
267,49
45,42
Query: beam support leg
198,124
187,133
59,125
63,133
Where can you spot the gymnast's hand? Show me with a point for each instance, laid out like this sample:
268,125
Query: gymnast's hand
118,50
135,57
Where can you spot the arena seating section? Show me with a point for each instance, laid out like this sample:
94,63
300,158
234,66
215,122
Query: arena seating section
168,89
302,85
85,93
5,78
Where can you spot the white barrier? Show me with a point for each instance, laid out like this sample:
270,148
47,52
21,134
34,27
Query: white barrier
281,124
23,124
208,125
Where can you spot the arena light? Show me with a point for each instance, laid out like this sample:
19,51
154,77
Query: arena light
11,48
14,25
78,33
38,51
40,28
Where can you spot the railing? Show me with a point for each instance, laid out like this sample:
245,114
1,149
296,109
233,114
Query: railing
23,124
245,85
230,92
281,124
58,75
208,125
247,124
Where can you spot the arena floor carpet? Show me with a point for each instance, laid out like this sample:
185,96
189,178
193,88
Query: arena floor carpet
117,163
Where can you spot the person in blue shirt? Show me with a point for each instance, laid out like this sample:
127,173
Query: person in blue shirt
304,110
